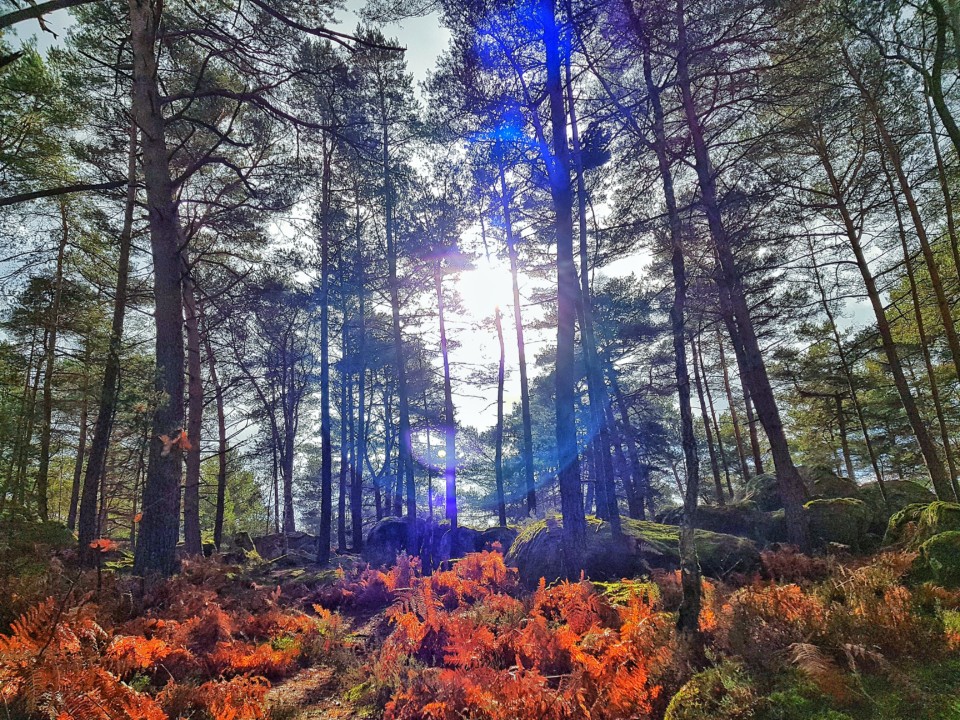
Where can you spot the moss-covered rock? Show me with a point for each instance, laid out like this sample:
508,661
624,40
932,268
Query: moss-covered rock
742,518
504,536
763,491
900,493
540,551
823,483
844,521
723,691
940,558
938,517
902,525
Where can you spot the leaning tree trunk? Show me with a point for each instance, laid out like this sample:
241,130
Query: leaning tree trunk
714,463
160,526
935,468
730,285
100,441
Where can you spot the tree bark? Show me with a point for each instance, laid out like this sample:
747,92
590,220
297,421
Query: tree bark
192,542
935,467
81,448
221,444
525,415
558,164
731,405
100,441
749,357
160,527
46,428
326,450
449,422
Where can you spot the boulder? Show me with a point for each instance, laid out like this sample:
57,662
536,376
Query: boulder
277,544
940,558
938,517
764,492
823,483
243,541
502,535
540,551
459,541
842,521
387,539
900,493
902,525
742,518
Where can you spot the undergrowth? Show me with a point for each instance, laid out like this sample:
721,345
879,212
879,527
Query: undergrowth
806,638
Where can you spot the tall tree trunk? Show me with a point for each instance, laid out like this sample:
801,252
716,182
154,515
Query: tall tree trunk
568,462
945,190
326,450
221,444
752,430
81,446
100,441
525,416
404,463
925,346
596,389
713,417
892,151
749,357
192,543
731,405
346,382
356,482
935,467
847,372
449,422
688,620
498,459
160,527
714,465
640,476
844,442
46,427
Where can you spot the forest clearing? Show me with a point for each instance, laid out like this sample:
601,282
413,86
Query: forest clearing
478,360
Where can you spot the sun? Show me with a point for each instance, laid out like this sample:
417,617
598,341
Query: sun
485,287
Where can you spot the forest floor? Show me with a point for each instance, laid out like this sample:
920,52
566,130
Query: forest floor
803,638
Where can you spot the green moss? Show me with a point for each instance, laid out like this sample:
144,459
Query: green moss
839,520
938,517
621,591
540,551
822,482
900,493
902,525
940,556
723,691
764,491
